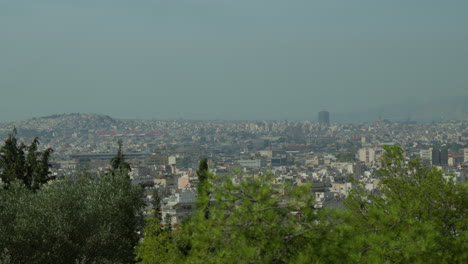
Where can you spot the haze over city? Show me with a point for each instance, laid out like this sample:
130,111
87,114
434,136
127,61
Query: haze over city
233,131
220,59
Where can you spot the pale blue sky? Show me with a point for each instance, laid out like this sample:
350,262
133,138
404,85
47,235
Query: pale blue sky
227,59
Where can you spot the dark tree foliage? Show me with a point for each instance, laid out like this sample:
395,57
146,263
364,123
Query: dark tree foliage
24,163
203,188
157,206
202,171
118,162
346,157
83,219
91,219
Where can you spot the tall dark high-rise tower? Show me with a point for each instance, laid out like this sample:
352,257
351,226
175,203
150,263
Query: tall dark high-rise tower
440,156
324,118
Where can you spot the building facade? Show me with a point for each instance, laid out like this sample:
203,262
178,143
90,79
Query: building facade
465,155
367,155
324,118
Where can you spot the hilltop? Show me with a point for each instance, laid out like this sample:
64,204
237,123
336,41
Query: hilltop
63,123
66,121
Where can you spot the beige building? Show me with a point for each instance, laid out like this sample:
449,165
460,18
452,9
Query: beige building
465,155
367,155
426,154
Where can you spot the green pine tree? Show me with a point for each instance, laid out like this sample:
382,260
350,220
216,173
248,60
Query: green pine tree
118,163
204,188
24,163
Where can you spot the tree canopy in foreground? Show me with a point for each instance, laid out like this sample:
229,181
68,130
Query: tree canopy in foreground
85,219
417,216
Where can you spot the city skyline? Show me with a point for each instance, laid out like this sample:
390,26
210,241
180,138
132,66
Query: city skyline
454,108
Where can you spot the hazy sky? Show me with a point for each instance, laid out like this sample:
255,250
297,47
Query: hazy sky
227,59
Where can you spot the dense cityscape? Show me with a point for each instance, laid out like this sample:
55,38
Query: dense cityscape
164,154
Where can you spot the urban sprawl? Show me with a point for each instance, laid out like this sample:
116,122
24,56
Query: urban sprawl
164,154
